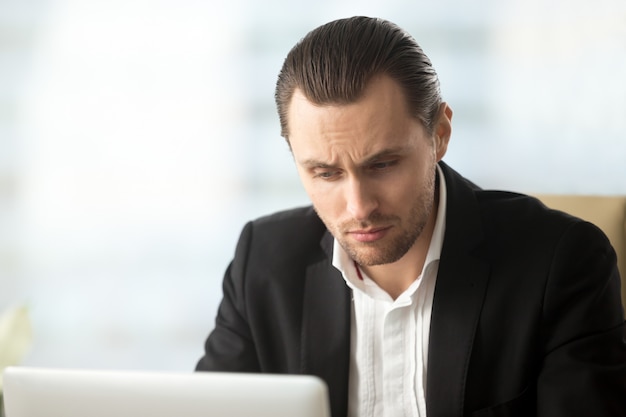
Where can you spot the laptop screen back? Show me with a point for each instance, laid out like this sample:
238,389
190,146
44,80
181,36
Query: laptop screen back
37,392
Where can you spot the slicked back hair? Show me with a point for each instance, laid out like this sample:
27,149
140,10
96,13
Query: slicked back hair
333,64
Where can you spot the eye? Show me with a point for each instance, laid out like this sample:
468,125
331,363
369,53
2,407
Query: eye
326,174
383,165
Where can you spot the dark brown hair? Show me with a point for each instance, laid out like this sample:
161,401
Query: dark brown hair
334,63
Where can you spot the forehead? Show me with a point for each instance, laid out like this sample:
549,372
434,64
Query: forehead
379,119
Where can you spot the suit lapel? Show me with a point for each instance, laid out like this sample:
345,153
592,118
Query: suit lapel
326,328
459,294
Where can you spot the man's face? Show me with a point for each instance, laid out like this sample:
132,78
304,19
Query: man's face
369,169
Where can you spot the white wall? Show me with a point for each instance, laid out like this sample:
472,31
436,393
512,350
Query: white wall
136,138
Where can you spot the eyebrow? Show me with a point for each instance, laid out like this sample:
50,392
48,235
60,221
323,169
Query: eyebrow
314,163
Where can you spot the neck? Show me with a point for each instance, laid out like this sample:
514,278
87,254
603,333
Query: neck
396,277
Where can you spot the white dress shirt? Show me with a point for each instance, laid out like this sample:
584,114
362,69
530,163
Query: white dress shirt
389,338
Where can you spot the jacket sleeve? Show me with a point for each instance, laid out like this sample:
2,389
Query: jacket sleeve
583,332
229,347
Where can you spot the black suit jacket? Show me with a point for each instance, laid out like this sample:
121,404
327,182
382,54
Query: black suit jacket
526,321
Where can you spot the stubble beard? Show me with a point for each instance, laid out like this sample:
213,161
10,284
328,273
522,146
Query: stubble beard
386,252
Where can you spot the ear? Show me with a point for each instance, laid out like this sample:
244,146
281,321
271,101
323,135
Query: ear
443,130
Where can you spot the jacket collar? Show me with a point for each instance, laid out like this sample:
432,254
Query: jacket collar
326,320
459,293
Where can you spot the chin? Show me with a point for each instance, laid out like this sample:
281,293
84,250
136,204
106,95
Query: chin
374,257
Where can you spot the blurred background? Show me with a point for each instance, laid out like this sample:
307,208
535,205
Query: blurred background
138,136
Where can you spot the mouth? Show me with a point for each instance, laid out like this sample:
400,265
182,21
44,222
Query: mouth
369,235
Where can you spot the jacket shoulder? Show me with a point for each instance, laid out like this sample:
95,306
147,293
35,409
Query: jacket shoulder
510,210
291,226
285,239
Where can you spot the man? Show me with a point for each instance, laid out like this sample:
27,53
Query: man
408,289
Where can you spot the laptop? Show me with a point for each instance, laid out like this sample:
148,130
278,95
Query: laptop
41,392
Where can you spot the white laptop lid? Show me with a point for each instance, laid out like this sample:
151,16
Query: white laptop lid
37,392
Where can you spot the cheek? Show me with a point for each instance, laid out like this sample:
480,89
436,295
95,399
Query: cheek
402,186
325,202
400,195
326,199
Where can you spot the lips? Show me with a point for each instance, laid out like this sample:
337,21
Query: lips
369,235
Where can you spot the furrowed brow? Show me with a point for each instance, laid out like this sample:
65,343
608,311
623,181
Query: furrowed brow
313,163
385,153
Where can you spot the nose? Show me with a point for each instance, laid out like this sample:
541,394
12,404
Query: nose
360,199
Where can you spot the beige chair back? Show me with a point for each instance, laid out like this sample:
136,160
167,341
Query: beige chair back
606,212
